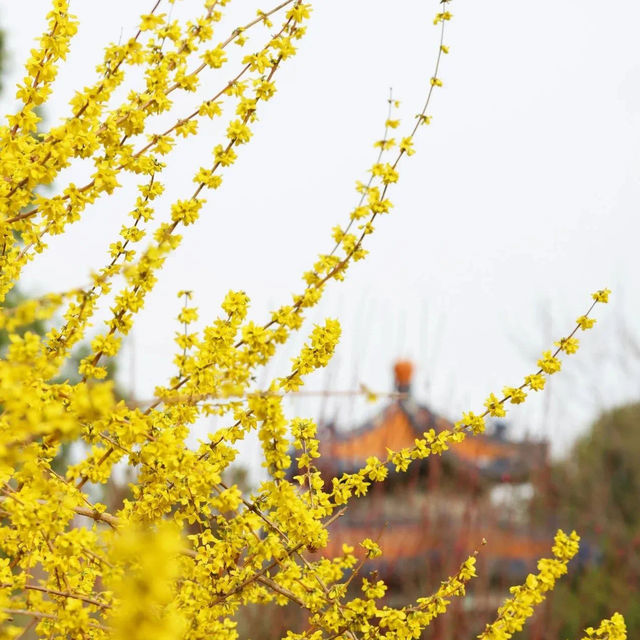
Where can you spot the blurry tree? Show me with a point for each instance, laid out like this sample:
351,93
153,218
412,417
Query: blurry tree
596,489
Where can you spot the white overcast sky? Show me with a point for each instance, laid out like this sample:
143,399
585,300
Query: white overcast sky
522,199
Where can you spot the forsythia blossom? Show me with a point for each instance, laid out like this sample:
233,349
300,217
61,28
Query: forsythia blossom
183,552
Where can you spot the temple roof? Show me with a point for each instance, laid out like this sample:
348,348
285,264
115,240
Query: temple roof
403,420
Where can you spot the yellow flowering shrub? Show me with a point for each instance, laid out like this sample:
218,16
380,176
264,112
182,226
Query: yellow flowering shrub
186,552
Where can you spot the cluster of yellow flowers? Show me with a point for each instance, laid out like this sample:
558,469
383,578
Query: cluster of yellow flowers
515,611
612,629
183,555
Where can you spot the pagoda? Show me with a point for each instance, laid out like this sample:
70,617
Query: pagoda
430,518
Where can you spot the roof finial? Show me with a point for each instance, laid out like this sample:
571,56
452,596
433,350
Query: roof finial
403,370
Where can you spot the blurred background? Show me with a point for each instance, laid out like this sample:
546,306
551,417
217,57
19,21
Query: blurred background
521,201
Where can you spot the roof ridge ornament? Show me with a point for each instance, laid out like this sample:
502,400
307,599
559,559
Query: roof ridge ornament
403,370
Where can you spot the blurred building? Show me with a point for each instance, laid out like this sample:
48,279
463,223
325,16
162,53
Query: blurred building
430,518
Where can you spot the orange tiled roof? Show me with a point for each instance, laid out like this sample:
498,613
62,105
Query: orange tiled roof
393,431
400,423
